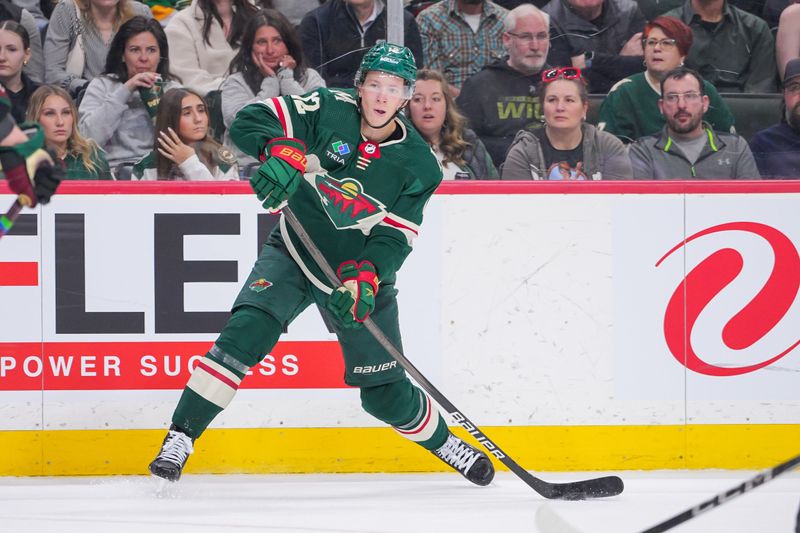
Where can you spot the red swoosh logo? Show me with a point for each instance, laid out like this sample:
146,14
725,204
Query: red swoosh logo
754,320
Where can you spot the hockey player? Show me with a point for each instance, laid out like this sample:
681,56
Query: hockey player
27,166
371,175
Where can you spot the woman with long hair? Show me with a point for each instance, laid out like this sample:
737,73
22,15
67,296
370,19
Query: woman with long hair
184,149
631,109
269,63
15,52
204,37
435,115
54,109
97,22
566,148
118,107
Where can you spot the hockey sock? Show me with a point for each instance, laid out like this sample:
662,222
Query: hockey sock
248,336
408,410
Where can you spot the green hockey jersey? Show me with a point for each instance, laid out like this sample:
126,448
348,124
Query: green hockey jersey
359,200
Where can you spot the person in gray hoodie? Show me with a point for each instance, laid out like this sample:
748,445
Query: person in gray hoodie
687,148
269,63
118,108
566,148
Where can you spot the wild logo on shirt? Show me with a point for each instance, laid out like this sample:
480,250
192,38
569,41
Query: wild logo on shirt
346,203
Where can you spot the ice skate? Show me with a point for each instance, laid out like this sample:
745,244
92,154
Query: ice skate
470,462
175,450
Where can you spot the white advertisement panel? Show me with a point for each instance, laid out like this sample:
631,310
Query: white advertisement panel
602,306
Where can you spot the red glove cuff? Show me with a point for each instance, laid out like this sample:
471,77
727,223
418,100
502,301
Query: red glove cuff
364,272
292,151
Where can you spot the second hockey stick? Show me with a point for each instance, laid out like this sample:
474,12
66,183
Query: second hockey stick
723,497
7,220
576,490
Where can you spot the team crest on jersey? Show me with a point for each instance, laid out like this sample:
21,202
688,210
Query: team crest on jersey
260,285
345,201
338,151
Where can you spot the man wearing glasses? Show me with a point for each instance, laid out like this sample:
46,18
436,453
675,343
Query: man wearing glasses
777,148
500,100
687,148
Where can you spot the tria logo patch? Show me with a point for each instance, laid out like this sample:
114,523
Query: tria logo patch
337,151
345,201
260,284
341,147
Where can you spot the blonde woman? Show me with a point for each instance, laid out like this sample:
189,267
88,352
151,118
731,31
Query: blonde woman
97,22
54,109
433,112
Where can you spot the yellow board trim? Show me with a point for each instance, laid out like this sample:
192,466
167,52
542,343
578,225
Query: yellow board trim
348,450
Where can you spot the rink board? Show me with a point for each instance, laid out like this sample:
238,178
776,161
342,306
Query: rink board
588,326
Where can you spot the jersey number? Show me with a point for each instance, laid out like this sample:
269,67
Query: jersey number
304,104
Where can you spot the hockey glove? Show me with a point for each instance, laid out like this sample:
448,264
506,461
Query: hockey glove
356,300
29,169
277,179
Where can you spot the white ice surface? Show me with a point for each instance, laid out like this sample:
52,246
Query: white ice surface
383,504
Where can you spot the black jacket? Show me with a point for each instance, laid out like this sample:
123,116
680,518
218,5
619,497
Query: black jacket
499,101
605,36
332,30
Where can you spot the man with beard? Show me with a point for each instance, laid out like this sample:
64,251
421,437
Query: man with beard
687,148
500,100
460,37
777,148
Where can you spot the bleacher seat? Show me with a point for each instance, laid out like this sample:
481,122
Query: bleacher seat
753,112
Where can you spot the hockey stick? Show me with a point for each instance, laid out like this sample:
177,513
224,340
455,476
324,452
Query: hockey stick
723,497
7,220
577,490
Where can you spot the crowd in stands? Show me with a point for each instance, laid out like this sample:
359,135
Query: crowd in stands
510,90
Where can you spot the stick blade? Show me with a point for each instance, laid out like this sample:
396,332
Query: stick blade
602,487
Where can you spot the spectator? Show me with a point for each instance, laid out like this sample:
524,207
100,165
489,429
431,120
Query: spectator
777,148
97,25
787,41
35,67
54,109
631,109
732,49
337,33
295,10
269,63
15,52
500,100
117,110
566,148
607,33
435,115
203,39
184,149
460,37
687,148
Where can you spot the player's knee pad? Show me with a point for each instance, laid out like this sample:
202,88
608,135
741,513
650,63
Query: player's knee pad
247,337
392,403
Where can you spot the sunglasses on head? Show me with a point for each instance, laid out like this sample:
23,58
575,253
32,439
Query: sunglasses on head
567,73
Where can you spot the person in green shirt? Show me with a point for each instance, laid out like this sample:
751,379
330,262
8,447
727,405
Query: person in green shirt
631,110
54,109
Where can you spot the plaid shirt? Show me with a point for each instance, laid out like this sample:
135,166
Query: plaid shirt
449,44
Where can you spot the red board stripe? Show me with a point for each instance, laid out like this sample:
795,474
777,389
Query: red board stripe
19,274
34,366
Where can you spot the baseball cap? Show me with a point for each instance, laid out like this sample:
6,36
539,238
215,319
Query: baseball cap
792,69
